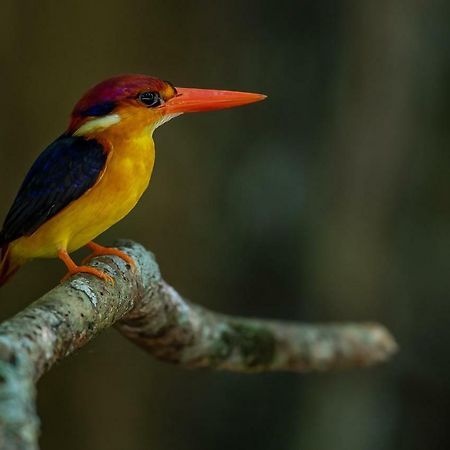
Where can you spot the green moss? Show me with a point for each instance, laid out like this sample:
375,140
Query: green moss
255,345
221,347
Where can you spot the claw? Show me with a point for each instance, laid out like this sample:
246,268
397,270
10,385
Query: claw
73,269
99,250
87,269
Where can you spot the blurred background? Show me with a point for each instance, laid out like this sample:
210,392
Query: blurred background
327,202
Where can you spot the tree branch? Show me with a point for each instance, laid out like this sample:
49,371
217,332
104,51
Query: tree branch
151,313
177,331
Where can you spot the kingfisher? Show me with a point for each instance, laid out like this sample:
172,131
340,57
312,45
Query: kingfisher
94,174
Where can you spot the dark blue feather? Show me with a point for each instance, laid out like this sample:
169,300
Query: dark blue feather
99,109
63,172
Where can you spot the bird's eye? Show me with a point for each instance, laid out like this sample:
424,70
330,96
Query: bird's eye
150,99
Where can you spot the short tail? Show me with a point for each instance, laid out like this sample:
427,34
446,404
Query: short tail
9,265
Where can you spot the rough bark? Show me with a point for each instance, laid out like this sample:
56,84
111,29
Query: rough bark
152,314
175,330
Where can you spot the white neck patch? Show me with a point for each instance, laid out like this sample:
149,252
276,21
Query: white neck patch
164,119
97,124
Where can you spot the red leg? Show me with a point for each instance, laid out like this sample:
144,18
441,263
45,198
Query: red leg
74,269
99,250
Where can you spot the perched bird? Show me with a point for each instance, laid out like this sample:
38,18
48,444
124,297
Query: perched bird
94,174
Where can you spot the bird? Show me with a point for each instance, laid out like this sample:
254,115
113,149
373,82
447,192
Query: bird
94,174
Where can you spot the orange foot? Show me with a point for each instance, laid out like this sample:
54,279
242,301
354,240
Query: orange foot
98,250
74,269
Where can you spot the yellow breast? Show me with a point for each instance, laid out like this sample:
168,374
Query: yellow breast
126,176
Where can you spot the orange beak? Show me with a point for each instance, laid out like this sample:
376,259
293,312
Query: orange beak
196,100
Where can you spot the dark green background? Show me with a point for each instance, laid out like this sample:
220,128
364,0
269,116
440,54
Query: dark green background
329,201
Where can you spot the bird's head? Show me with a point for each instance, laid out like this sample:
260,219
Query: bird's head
140,102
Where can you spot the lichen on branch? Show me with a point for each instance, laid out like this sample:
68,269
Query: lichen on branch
144,308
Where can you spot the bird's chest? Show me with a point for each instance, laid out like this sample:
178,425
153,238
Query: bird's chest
127,173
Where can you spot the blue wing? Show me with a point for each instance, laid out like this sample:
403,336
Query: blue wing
63,172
